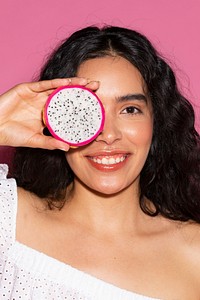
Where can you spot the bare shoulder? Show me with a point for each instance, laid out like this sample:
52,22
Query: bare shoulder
190,232
190,245
182,243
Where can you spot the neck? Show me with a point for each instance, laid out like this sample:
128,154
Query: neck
104,213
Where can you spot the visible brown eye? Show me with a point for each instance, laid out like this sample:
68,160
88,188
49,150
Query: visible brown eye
131,110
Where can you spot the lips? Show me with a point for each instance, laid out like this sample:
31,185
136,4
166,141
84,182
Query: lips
108,162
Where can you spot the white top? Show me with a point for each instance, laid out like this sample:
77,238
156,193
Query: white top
29,274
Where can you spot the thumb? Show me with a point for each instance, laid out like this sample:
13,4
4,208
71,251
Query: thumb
47,142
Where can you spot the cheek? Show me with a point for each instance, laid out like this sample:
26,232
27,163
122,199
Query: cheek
76,159
140,134
72,159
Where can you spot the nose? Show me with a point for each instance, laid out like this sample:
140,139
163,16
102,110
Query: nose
111,131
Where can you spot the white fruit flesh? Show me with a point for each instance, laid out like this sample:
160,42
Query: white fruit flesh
74,115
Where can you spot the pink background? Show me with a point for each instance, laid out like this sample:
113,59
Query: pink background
31,29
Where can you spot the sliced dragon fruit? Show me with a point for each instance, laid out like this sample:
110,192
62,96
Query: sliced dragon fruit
74,114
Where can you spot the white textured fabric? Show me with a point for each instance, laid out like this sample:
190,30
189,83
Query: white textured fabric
28,274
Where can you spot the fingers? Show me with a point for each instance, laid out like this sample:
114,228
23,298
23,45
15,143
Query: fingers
46,85
93,85
90,84
22,106
78,81
46,142
51,144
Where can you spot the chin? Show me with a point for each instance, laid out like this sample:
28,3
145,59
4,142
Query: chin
108,191
106,194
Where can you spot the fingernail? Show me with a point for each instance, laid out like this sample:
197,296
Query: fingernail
64,149
95,81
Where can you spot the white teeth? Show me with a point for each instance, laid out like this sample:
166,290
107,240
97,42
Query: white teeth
112,161
105,161
118,159
109,161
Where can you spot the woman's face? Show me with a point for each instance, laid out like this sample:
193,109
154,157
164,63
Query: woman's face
113,161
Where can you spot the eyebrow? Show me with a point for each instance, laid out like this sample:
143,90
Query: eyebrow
132,97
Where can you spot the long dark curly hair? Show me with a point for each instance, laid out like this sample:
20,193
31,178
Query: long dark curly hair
170,178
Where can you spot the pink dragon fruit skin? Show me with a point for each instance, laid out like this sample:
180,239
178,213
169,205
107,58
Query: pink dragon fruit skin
74,114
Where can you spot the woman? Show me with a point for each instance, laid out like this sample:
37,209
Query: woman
118,218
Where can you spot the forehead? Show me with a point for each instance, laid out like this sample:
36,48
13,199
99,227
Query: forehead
115,74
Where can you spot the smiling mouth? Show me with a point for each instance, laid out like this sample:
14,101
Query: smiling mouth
111,162
106,160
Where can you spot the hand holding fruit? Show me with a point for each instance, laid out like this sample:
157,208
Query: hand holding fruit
21,109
